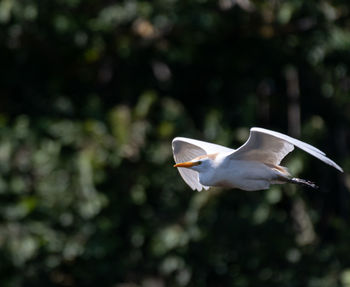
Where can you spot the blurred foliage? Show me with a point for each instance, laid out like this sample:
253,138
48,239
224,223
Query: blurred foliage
92,93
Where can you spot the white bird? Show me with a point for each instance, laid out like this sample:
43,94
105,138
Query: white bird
253,166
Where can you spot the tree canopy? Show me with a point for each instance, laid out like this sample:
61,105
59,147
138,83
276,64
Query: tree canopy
92,93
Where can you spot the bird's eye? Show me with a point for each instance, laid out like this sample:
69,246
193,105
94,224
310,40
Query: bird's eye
199,162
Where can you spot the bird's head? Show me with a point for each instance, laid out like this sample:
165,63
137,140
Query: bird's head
200,163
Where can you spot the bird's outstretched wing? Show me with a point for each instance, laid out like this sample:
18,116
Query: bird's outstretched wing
185,149
271,147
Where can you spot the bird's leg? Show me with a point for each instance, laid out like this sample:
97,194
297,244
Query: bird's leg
285,176
303,182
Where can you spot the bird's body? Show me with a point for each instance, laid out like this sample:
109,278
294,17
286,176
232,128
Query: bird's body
246,175
253,166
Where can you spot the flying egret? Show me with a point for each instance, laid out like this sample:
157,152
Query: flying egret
253,166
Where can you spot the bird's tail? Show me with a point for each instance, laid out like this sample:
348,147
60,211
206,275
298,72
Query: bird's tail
303,182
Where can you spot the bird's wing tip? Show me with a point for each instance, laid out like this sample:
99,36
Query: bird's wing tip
339,168
199,189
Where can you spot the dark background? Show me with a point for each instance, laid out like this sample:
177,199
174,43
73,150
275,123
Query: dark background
91,95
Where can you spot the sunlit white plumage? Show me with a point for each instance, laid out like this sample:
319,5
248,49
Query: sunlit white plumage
253,166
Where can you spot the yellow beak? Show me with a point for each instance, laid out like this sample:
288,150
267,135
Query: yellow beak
186,164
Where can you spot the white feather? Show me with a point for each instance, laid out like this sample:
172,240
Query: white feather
247,167
271,147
